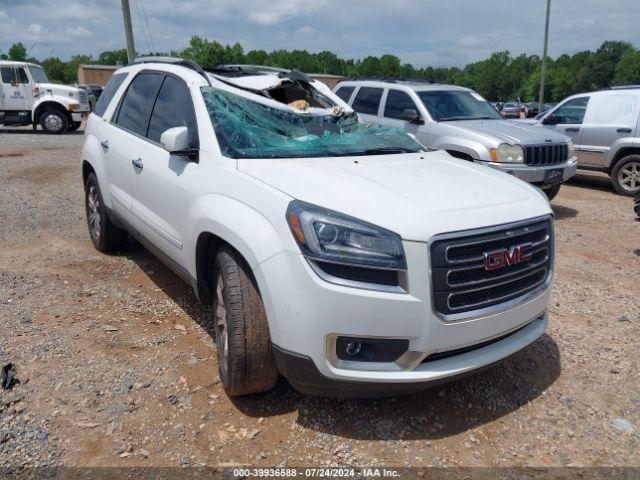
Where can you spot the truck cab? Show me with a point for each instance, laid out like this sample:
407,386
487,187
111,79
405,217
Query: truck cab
27,97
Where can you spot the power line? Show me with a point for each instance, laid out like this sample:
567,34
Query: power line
144,32
146,20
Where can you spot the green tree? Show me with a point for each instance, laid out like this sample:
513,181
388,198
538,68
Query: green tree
628,69
17,52
114,57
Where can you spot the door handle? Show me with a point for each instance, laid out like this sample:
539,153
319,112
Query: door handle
572,129
624,130
137,163
105,145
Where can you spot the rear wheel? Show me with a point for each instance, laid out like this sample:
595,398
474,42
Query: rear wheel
552,191
245,360
105,236
626,176
54,121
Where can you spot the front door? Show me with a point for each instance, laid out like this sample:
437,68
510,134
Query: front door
16,89
569,117
162,193
395,103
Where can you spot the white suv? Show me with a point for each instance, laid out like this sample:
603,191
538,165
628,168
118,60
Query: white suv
343,256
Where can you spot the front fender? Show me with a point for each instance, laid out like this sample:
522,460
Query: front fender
59,99
238,224
476,150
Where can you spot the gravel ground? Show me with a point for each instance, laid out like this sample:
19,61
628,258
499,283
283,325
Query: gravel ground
117,368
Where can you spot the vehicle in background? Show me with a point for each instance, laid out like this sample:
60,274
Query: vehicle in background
533,108
460,121
27,97
511,110
93,92
605,128
341,255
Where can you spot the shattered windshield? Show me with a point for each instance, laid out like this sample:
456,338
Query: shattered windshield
249,129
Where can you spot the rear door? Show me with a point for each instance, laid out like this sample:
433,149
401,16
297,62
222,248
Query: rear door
611,117
162,193
367,103
124,142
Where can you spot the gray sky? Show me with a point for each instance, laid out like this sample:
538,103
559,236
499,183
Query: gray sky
422,32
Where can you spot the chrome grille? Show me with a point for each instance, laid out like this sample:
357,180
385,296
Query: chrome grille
547,154
460,281
83,97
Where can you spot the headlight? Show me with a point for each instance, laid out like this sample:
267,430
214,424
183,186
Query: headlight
329,236
570,150
506,153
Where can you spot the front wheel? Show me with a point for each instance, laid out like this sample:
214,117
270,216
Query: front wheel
54,121
245,359
626,176
552,191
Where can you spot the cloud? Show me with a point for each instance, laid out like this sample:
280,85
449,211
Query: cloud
34,28
422,32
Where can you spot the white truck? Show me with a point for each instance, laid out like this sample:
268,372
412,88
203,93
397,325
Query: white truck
27,97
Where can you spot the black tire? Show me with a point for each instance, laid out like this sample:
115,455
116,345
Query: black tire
105,236
627,168
54,121
73,126
552,191
245,359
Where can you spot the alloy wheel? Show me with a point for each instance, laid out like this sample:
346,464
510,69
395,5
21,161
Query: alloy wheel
93,213
629,176
222,331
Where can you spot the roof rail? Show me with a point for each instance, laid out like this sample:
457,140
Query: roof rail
395,80
181,62
241,69
624,87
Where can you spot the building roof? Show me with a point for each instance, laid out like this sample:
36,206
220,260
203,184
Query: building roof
100,67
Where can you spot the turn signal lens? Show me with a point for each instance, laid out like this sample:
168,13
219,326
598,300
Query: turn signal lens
73,106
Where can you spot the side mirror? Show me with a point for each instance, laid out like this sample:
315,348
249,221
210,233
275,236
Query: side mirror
551,120
412,116
176,141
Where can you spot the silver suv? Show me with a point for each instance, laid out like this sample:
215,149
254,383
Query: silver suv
460,121
605,127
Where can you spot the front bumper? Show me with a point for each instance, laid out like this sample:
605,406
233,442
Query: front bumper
306,313
535,174
78,116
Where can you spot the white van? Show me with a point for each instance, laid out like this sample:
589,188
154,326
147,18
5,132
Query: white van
27,97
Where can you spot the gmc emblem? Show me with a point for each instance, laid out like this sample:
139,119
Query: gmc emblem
505,257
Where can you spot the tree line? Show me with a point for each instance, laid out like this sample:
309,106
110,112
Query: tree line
501,77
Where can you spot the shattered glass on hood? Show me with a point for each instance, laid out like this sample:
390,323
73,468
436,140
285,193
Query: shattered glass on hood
250,129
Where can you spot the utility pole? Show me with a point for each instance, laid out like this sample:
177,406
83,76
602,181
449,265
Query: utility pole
128,31
543,75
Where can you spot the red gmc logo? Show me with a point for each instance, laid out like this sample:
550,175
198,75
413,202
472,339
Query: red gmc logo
512,256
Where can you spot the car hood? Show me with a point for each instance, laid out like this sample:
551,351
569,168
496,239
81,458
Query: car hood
514,132
415,195
59,89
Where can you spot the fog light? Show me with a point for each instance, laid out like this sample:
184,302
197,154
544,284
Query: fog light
370,349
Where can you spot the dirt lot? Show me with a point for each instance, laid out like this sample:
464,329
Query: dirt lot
117,368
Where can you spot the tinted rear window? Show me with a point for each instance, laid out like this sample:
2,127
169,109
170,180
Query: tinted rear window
108,93
136,106
345,93
367,100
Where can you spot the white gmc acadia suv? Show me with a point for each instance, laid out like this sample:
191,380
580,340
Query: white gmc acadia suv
346,257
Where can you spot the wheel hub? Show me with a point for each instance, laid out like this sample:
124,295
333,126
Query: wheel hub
93,211
222,334
629,177
53,122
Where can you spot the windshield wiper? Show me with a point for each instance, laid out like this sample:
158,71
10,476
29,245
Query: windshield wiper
377,151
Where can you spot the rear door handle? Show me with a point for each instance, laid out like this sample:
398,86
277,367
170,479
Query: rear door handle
572,129
105,144
624,130
137,163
